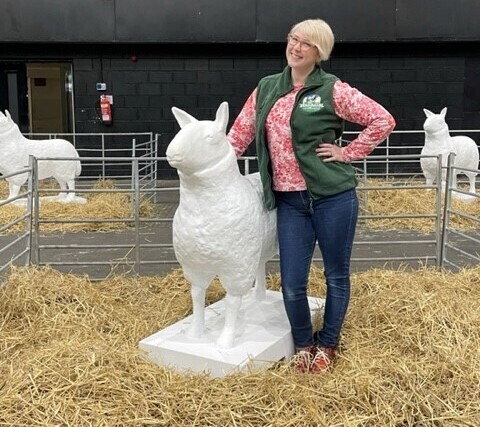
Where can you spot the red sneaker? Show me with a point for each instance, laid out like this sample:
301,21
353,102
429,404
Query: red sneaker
302,360
322,360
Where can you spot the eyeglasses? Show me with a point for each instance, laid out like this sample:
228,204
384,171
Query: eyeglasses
292,40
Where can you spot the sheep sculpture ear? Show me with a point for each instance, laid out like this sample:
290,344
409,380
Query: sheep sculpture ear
183,118
428,113
221,118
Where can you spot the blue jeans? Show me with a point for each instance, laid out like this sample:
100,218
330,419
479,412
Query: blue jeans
301,222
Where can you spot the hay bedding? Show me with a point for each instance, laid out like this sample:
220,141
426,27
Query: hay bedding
103,205
410,356
404,200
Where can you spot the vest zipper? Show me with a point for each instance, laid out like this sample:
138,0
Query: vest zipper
295,105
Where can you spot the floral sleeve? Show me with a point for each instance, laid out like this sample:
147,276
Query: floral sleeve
242,132
352,105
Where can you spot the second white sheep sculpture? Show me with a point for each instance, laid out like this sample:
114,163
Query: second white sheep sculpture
438,141
15,150
220,227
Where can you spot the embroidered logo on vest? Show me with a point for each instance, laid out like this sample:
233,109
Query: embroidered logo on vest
311,103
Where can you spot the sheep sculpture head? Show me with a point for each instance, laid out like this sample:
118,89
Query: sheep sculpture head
435,122
187,155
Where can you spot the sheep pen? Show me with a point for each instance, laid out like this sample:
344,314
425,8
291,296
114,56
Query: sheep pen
409,356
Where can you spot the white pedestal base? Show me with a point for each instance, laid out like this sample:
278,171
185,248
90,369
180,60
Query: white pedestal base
263,338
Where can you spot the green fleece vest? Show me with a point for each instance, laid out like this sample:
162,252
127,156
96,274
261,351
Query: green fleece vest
313,121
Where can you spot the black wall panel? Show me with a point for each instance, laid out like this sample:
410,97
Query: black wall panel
199,21
350,20
57,20
438,20
185,20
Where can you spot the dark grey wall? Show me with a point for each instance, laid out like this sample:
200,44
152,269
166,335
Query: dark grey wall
106,21
372,20
57,20
437,20
405,78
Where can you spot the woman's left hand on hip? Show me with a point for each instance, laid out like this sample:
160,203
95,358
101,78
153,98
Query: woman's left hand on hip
329,152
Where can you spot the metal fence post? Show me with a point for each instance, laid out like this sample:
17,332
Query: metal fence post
103,155
30,209
446,208
387,153
136,180
36,211
438,212
133,184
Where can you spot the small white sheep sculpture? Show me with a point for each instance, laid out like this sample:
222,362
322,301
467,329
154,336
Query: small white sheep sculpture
220,227
438,141
15,150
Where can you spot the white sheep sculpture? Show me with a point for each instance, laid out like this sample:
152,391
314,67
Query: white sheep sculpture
438,141
15,150
220,227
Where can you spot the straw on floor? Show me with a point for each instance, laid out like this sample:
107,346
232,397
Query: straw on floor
405,199
104,205
409,356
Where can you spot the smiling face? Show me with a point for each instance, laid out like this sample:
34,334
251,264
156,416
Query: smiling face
308,43
301,53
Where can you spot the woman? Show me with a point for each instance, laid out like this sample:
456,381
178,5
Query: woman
295,117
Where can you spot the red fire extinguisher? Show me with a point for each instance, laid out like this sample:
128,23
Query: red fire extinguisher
105,109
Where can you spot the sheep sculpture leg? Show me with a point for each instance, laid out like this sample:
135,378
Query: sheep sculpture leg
13,190
199,283
64,196
471,177
232,308
260,289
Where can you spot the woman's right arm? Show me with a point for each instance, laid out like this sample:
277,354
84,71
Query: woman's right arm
242,132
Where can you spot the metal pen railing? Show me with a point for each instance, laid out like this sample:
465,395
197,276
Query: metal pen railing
136,251
448,231
20,245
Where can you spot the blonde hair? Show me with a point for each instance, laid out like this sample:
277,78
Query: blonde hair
319,33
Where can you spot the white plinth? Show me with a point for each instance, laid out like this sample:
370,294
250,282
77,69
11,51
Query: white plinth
263,338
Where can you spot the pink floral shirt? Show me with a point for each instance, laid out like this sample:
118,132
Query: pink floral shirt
349,104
